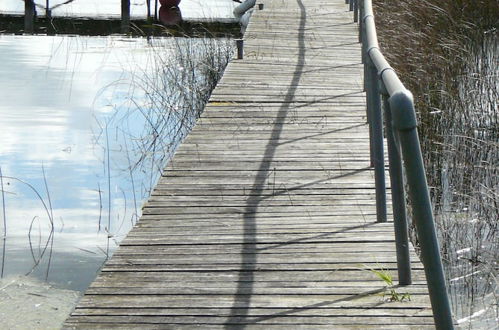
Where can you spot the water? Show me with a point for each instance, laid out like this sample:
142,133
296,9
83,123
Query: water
78,154
467,213
56,94
205,9
84,141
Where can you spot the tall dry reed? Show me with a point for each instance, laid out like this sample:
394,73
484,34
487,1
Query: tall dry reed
167,100
446,52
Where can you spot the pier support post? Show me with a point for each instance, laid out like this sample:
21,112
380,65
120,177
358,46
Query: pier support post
240,48
125,16
29,16
155,10
148,6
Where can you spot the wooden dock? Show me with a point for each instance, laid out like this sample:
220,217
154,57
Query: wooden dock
266,217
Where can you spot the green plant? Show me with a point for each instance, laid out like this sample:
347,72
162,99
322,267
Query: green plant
390,292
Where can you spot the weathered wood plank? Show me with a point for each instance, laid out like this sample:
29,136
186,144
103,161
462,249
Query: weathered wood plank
86,325
280,320
141,289
368,299
266,218
292,277
256,312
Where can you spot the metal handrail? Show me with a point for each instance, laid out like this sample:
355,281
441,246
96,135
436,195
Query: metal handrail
385,91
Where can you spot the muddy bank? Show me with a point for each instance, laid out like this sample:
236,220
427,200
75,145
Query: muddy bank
28,303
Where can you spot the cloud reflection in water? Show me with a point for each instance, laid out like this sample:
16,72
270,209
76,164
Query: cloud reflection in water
56,96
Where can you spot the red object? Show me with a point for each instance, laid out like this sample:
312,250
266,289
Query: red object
169,3
170,15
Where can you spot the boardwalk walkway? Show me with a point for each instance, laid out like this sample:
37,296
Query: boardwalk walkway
266,217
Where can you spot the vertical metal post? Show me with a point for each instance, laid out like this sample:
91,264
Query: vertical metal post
356,11
155,10
350,7
240,48
125,16
377,151
148,8
361,20
368,90
29,16
404,119
364,52
48,14
398,199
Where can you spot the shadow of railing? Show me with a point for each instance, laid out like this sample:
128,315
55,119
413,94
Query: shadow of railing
323,304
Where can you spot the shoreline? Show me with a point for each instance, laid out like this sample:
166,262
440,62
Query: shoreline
28,303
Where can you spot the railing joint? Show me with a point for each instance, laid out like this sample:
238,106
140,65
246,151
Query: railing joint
381,77
368,51
367,16
404,116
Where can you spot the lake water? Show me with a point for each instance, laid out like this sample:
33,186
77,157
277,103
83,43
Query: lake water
467,210
79,154
57,93
191,9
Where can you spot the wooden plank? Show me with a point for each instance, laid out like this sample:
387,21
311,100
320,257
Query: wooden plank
285,319
86,325
418,312
365,300
296,248
210,278
266,218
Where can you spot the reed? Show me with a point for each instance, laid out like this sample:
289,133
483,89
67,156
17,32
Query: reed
167,95
173,98
446,52
47,245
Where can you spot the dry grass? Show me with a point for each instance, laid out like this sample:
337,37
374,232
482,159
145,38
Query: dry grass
446,52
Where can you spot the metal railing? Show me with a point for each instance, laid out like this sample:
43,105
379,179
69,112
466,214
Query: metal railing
387,97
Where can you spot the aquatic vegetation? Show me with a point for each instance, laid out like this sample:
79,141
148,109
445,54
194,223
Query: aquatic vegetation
447,53
168,100
146,96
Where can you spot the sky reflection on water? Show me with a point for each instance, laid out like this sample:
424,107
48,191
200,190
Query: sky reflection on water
91,8
56,96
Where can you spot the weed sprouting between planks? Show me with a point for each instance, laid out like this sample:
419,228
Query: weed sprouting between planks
390,291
